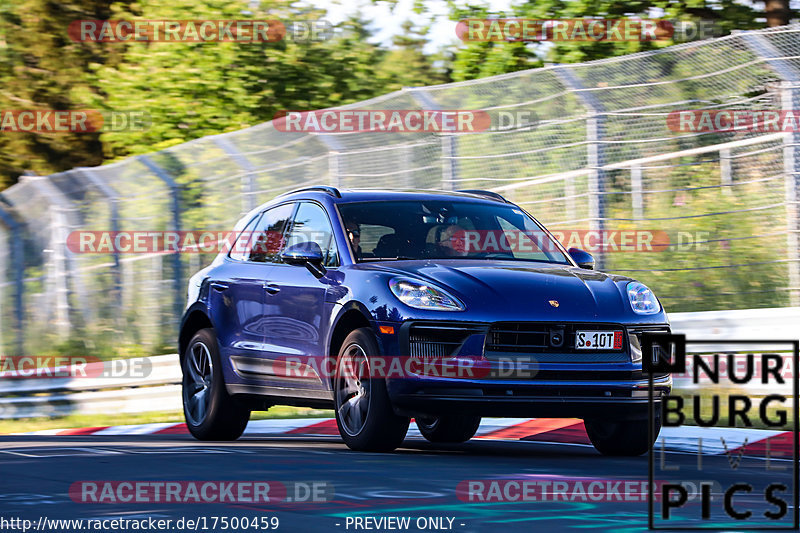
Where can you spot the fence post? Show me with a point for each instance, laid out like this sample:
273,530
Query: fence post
334,172
449,148
637,198
450,165
58,241
174,192
725,170
595,153
762,47
407,156
113,206
335,150
248,179
18,265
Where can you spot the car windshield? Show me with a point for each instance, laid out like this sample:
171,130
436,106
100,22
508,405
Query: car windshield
445,229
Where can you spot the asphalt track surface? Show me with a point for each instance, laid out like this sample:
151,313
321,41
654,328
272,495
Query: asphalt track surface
418,480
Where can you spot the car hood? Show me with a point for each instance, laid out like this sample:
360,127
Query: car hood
525,292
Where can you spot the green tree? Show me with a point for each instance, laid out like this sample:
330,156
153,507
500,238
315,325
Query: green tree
189,90
406,64
477,60
41,68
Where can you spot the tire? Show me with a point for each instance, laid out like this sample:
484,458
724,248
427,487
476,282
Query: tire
210,413
627,438
450,429
364,413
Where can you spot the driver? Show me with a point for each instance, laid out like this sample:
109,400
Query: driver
354,235
453,241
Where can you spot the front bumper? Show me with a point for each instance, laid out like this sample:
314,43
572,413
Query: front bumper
559,399
551,384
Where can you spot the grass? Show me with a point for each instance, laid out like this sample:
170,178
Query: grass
79,421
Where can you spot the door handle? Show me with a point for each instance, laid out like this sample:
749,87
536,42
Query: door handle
272,288
217,286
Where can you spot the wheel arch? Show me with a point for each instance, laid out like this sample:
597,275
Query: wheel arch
351,317
195,319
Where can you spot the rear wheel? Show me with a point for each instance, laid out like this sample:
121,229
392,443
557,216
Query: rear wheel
211,414
621,438
363,410
452,429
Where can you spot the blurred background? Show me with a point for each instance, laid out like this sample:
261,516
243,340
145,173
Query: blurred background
601,155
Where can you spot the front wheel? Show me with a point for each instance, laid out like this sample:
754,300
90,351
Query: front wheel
364,413
449,429
621,438
211,414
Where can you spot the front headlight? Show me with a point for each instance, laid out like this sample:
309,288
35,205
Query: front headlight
423,296
642,299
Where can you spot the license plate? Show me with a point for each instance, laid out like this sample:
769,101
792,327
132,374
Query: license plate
598,340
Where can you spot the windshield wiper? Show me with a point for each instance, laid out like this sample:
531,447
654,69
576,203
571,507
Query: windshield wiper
398,258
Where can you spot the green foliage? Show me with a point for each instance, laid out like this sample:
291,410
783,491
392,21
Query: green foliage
41,68
189,90
478,60
728,260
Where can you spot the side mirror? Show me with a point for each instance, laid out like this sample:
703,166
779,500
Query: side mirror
306,253
584,259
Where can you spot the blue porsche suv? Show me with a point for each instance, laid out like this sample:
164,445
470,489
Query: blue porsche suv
439,306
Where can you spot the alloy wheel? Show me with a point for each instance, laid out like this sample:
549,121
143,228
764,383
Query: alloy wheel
197,382
353,389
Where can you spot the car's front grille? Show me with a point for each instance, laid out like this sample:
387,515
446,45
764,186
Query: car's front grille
518,337
548,341
438,340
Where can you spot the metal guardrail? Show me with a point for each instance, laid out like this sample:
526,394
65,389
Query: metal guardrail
160,389
741,324
759,325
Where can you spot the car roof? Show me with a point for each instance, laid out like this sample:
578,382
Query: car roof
323,193
358,195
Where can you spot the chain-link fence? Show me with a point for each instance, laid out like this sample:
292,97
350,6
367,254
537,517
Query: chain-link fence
601,157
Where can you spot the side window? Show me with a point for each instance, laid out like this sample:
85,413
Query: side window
240,247
311,224
261,240
266,242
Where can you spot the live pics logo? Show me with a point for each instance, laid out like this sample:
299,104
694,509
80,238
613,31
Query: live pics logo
727,393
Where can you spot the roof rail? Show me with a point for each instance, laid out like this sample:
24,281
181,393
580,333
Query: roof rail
486,194
333,191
